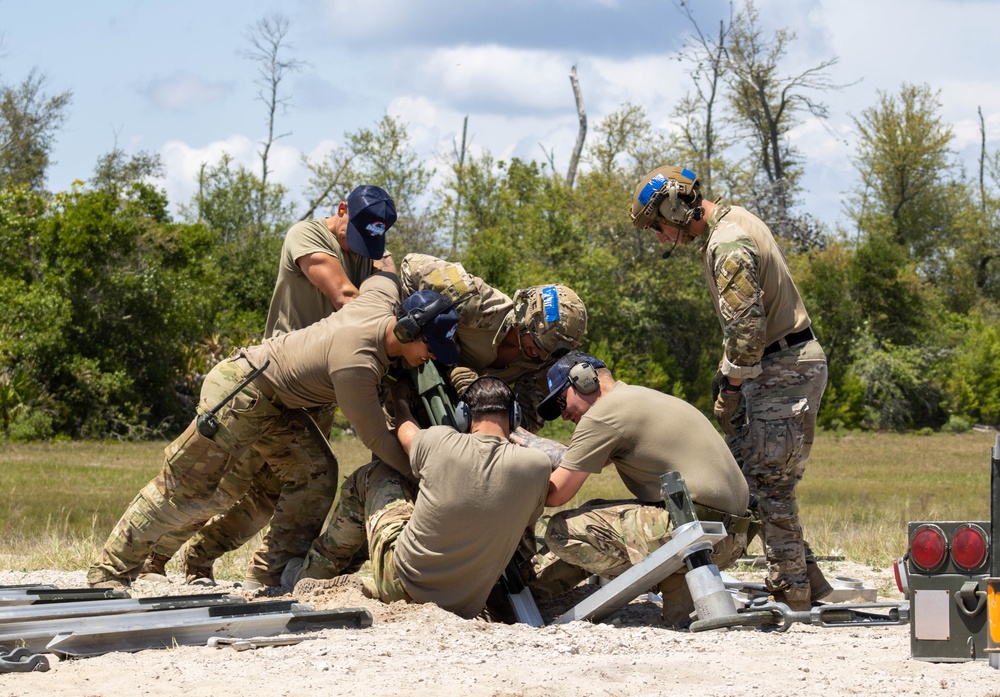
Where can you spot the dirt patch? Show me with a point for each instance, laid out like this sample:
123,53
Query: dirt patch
422,650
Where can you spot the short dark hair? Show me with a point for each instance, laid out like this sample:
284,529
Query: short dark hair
489,395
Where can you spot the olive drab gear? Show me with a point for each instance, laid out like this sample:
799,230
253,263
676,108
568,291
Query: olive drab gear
668,194
554,315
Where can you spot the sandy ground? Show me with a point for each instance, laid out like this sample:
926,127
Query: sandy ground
423,650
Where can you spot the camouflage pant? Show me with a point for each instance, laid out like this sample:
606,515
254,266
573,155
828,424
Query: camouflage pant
376,503
607,538
548,575
255,491
193,485
780,408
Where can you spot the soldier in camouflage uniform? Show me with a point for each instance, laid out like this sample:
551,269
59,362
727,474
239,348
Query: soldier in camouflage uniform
644,434
515,340
447,540
322,264
339,360
773,371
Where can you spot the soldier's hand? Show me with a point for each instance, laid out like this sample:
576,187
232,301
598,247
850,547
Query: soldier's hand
727,403
402,391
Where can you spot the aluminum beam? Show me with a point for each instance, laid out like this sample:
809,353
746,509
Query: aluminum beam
300,618
30,596
50,611
646,574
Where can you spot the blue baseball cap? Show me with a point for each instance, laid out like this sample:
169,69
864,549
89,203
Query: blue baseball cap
558,377
371,212
438,331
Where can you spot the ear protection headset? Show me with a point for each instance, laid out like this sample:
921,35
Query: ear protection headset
410,326
463,413
583,378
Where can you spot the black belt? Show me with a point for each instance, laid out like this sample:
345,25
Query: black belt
734,524
793,339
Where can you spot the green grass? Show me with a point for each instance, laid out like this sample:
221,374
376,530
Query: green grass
59,501
861,489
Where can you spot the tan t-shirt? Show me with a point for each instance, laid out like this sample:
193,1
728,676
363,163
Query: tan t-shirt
296,302
341,360
740,231
646,434
477,495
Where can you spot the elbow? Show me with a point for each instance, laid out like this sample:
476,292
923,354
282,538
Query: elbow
555,497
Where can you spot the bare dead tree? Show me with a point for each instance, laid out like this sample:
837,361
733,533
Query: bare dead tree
460,176
982,160
982,265
709,63
268,46
766,104
550,156
581,135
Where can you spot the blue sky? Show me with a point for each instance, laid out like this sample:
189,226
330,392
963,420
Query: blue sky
168,77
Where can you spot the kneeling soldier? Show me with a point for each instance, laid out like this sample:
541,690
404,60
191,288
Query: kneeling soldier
447,540
338,360
644,434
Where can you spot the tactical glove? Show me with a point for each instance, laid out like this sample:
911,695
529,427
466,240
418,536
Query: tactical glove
727,402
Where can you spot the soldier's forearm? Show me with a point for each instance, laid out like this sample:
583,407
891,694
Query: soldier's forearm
552,449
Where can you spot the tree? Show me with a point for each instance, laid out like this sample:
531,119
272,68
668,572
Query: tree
766,106
581,135
380,156
29,120
904,162
702,144
127,178
101,306
267,38
228,201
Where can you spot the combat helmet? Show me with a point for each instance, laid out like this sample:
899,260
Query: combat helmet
668,194
554,315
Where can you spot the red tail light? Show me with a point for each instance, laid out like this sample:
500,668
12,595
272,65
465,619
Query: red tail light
928,547
968,547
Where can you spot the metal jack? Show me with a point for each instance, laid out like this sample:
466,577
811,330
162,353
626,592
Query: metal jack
704,580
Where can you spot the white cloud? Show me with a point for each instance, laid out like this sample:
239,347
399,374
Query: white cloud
825,143
655,81
184,90
183,163
505,77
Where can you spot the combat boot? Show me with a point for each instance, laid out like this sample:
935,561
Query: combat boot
678,605
819,588
310,585
197,574
154,568
99,578
796,598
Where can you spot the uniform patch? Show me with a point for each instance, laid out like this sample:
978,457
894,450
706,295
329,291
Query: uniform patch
550,302
376,229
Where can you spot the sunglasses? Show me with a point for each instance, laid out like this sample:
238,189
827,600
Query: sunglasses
561,400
